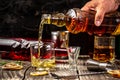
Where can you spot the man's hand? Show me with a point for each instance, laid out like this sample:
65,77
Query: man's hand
101,7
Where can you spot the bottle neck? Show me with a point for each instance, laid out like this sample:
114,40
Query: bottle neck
55,19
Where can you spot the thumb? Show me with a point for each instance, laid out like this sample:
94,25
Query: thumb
99,16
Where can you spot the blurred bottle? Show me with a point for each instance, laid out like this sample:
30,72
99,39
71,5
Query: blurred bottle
77,21
16,48
93,65
60,40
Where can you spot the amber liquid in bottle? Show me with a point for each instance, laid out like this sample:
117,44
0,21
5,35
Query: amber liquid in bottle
75,26
110,25
55,19
57,22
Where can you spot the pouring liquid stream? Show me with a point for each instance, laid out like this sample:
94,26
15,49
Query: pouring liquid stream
40,35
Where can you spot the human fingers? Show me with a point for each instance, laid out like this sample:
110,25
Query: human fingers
99,16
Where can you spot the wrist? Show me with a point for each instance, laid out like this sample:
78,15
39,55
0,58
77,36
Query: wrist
117,2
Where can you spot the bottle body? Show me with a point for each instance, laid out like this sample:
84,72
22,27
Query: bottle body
110,25
82,21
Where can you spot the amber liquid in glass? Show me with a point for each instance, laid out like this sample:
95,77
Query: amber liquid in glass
37,62
103,54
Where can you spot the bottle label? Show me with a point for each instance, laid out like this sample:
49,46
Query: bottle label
117,30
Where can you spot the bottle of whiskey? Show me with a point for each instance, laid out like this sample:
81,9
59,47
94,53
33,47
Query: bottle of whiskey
77,21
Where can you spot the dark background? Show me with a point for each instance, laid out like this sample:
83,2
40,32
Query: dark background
21,18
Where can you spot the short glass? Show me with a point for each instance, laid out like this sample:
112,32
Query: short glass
104,48
73,54
42,55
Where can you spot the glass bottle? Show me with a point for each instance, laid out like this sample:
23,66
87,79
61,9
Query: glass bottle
77,21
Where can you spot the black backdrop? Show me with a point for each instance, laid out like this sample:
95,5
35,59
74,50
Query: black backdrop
21,18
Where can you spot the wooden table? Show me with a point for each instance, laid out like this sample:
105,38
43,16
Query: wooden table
61,69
